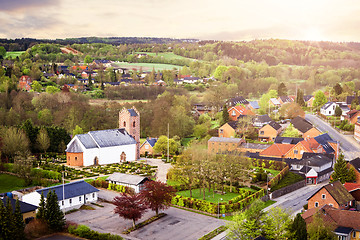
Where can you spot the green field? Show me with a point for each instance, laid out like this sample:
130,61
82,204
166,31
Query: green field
208,195
9,183
14,54
167,55
148,66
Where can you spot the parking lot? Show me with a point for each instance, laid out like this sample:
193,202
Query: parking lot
177,224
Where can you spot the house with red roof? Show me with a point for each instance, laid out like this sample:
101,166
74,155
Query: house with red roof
236,111
353,189
352,116
277,150
25,83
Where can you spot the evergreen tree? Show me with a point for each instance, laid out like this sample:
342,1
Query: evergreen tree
2,219
19,225
90,83
338,89
298,228
54,216
355,102
341,171
300,98
225,115
41,210
282,90
7,221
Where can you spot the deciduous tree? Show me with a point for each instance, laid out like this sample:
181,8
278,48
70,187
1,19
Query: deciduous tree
130,206
43,140
320,229
319,99
157,195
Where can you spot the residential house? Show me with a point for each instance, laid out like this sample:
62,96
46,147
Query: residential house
274,102
329,108
236,111
27,210
70,195
25,83
349,100
135,182
333,194
192,80
269,132
352,116
357,130
305,128
276,150
260,121
201,108
223,144
228,130
287,140
315,169
252,147
309,100
355,164
285,99
354,190
253,105
347,223
236,101
104,62
147,147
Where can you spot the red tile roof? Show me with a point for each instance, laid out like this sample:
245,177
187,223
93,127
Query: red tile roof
351,186
277,150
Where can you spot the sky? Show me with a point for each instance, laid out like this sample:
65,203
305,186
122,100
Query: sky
229,20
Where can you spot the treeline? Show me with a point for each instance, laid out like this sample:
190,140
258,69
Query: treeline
133,92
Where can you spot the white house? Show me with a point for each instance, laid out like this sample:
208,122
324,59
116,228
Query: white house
316,169
329,108
101,147
75,195
134,181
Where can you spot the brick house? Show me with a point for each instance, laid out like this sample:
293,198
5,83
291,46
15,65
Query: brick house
261,120
353,189
252,147
222,144
228,130
346,223
355,164
305,128
357,130
309,100
269,132
352,116
285,99
147,147
277,150
25,83
27,210
333,194
237,100
236,111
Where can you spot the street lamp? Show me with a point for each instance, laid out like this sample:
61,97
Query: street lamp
219,207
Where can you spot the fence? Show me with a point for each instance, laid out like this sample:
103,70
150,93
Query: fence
288,189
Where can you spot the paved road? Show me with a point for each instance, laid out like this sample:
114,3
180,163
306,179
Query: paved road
295,201
161,170
348,145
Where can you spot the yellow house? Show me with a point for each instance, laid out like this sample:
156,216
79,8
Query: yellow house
27,210
269,132
228,130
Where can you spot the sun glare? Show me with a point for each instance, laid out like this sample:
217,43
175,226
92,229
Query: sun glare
313,34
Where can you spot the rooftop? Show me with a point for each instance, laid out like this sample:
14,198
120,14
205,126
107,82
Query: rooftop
223,139
126,178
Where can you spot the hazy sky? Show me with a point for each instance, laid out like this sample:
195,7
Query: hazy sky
334,20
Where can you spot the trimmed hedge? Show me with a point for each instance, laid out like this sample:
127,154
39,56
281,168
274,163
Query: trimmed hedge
144,223
270,164
273,182
213,233
85,232
224,207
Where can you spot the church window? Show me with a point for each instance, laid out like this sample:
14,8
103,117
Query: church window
134,124
124,124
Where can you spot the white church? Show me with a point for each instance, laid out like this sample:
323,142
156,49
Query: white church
107,146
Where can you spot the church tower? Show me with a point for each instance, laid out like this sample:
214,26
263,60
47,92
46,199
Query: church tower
130,120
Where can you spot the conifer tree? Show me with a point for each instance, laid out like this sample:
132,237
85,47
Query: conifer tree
6,217
225,115
54,216
298,228
41,210
341,171
19,225
2,219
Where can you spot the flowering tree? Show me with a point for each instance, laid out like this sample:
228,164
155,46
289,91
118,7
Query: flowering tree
130,206
157,195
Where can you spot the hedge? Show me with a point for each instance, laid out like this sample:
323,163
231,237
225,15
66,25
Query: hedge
224,207
213,233
85,232
270,164
278,177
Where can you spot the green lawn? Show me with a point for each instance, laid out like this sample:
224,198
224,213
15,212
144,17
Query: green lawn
9,183
208,195
166,55
185,141
14,54
148,66
289,179
267,203
172,182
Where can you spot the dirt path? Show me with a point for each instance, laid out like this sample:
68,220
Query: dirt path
163,168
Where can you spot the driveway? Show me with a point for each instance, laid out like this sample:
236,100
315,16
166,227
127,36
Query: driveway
162,168
177,224
348,145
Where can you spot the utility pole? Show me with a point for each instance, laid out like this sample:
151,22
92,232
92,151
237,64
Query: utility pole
168,144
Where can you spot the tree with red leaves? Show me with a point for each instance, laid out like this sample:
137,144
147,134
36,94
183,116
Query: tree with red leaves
157,195
130,206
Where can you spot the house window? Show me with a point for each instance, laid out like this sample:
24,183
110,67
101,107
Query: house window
354,234
296,151
79,199
93,195
75,158
323,196
146,146
331,205
316,204
70,201
221,130
261,132
62,203
233,113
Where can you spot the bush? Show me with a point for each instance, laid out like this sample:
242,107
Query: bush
85,232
